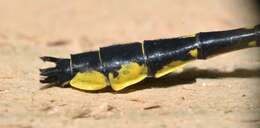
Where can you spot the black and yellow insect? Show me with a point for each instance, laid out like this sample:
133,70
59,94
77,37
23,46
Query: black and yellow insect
120,66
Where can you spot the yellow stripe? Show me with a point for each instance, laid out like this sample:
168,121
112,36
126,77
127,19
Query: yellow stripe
252,44
194,53
170,68
128,74
91,81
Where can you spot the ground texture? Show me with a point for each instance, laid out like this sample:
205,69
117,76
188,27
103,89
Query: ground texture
221,92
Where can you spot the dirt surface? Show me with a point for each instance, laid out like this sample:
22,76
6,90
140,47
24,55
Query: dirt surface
220,92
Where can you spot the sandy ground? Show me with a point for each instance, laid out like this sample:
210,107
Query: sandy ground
220,92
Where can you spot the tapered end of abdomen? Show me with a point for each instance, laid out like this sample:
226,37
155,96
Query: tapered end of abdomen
58,75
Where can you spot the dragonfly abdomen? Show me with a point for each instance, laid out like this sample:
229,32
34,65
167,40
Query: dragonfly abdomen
123,65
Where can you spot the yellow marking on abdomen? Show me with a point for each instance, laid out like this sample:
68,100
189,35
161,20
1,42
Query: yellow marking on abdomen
91,81
252,44
170,68
128,74
194,53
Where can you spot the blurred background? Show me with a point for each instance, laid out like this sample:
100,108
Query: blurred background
93,23
220,92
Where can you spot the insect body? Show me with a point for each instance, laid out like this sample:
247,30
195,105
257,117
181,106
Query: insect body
120,66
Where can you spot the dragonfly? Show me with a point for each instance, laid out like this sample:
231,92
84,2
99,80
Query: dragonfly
122,65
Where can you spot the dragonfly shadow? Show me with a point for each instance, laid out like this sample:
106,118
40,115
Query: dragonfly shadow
189,76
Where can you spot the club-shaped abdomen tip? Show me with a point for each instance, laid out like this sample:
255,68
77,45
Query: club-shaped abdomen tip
49,75
48,71
57,75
